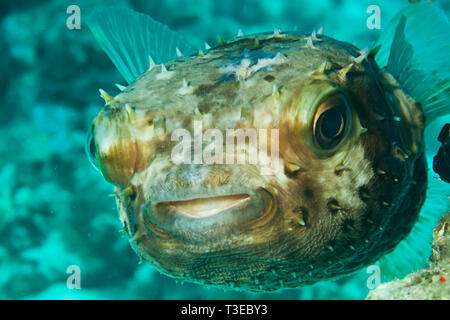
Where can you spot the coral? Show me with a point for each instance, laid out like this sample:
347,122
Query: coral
432,283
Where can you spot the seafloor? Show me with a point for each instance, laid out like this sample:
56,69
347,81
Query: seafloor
54,207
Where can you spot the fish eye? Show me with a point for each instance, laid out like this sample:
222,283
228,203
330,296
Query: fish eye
90,147
330,122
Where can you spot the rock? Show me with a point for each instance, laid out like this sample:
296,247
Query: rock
426,284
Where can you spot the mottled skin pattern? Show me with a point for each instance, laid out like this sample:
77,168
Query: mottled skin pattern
326,212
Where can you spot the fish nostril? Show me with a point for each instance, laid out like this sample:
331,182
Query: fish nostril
90,147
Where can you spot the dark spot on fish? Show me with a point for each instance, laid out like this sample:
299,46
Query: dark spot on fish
205,107
228,77
206,88
308,193
150,122
269,78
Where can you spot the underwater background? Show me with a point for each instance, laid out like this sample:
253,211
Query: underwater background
54,207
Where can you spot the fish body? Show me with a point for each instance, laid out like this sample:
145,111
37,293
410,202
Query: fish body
347,187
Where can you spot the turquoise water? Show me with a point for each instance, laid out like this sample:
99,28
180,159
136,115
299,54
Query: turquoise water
54,208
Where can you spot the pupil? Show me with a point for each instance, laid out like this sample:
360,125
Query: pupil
331,123
92,147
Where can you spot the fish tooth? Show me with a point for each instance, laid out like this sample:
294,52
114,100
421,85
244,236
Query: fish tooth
207,46
275,91
279,58
220,41
240,33
292,167
197,113
201,53
185,88
320,71
300,215
398,152
247,115
363,55
320,32
301,221
152,63
105,96
165,74
334,206
340,168
130,112
276,33
120,87
309,43
342,73
314,36
128,191
179,53
159,126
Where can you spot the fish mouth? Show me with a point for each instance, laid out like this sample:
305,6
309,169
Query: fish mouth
193,213
207,207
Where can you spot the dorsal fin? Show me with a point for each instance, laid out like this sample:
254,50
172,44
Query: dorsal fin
414,49
129,38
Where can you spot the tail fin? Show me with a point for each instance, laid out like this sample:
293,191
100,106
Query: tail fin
415,49
129,38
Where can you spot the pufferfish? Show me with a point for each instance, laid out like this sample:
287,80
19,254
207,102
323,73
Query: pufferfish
351,175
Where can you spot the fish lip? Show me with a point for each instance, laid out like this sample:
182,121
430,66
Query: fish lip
233,220
203,207
194,192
